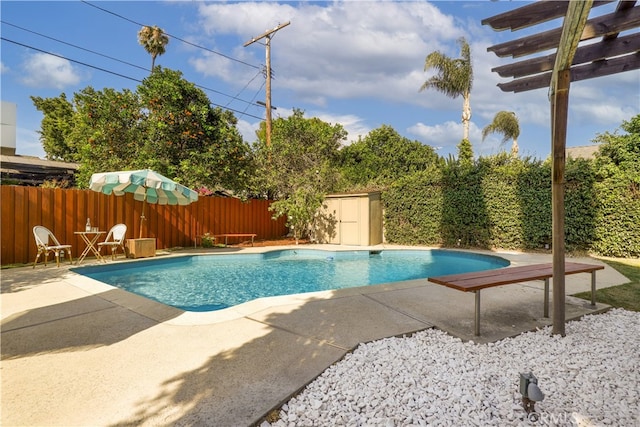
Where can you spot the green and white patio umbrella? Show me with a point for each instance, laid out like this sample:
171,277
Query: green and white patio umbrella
146,185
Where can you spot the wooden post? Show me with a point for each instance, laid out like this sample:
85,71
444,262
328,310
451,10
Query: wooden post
572,28
268,89
267,36
559,113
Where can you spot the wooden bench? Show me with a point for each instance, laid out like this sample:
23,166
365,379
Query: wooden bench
476,281
227,235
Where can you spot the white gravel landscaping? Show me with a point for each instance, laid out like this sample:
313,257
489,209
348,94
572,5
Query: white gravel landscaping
590,377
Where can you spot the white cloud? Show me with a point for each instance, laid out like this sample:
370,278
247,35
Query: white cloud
354,125
605,113
42,70
447,136
340,50
335,55
248,130
3,68
245,18
317,100
601,101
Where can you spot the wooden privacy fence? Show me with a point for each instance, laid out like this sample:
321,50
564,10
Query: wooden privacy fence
65,211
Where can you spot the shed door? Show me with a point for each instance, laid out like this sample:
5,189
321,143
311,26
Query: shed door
333,232
349,221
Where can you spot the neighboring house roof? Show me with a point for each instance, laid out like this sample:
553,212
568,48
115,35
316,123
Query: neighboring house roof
33,171
582,152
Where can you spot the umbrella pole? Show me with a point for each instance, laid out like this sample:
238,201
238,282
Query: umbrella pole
144,202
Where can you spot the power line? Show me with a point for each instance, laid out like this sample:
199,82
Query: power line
71,60
236,98
74,46
247,85
255,96
172,36
186,42
139,67
122,75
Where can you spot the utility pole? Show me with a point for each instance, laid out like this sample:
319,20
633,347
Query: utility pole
267,36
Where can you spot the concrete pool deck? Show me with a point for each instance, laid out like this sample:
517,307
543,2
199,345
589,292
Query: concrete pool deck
77,352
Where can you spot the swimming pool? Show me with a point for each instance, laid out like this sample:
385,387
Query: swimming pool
214,282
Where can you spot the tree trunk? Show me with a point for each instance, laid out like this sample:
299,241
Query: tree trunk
466,115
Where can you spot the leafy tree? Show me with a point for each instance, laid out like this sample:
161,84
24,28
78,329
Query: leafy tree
298,168
301,209
303,152
185,137
107,131
166,125
454,78
382,157
620,151
618,187
56,126
154,40
505,123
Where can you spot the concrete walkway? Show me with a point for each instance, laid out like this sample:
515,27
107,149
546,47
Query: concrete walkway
76,352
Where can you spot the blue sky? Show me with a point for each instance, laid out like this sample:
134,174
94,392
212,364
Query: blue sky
357,63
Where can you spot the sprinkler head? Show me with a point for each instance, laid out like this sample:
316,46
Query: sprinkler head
530,392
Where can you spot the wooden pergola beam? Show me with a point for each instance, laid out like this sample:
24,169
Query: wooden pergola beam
595,52
601,68
532,14
622,6
601,26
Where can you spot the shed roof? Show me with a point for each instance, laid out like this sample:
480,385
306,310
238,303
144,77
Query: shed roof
583,152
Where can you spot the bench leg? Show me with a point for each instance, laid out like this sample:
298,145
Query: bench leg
477,319
593,288
546,297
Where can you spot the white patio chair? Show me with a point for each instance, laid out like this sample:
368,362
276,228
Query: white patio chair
115,239
46,242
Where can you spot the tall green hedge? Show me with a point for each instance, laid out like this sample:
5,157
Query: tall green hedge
501,202
617,229
413,211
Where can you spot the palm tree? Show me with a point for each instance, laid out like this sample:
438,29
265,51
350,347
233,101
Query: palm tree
505,123
454,78
154,41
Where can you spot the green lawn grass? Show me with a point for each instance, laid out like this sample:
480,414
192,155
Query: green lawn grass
625,296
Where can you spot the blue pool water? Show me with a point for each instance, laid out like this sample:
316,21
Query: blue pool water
214,282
